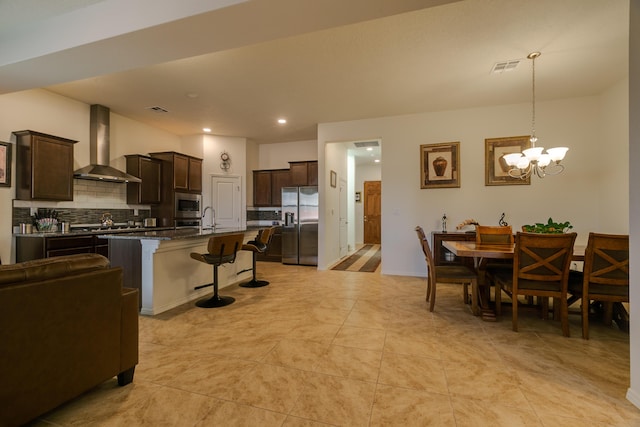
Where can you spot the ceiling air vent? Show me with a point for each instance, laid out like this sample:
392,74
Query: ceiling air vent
366,144
158,109
501,67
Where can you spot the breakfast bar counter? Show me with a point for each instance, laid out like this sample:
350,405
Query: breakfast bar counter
157,262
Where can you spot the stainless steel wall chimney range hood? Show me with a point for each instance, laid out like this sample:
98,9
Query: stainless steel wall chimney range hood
99,169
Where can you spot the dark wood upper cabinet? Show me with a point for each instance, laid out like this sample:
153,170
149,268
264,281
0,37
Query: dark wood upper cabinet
267,184
44,166
298,173
181,172
279,178
149,170
195,175
304,173
262,188
312,173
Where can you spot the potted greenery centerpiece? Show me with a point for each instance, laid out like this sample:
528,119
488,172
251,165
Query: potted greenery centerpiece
550,227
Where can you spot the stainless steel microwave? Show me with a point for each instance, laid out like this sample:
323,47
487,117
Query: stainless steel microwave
187,205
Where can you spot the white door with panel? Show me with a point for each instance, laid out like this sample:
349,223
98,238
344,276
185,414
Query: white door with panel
225,202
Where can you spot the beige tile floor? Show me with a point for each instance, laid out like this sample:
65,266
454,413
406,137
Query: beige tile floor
318,348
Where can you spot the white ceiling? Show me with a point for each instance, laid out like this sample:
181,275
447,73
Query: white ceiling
236,66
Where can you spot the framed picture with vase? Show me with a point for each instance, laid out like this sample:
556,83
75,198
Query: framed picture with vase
440,165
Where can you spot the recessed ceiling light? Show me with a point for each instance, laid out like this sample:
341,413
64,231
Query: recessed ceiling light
369,148
282,121
206,129
377,160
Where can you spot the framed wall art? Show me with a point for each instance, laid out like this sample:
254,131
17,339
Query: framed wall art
440,165
496,169
5,164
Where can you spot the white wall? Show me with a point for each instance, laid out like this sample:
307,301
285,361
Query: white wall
575,123
614,111
278,155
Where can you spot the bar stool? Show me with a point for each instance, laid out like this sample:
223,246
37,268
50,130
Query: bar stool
258,246
221,250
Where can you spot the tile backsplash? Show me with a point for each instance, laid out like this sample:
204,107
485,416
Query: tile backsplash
264,214
91,199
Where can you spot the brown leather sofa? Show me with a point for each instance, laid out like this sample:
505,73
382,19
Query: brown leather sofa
66,325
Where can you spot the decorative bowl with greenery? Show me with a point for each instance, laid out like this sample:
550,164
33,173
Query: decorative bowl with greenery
550,227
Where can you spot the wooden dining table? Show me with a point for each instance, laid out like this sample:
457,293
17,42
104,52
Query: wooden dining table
478,251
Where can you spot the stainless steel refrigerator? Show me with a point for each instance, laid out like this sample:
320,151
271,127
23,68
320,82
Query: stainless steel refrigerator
300,225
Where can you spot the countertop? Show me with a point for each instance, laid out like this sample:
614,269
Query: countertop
86,231
159,233
174,234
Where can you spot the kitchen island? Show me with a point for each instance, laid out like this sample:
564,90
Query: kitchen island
158,264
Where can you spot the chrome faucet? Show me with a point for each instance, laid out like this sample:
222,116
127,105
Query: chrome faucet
213,213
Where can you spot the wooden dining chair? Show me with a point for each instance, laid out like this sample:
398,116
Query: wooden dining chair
605,275
540,268
487,268
447,274
500,234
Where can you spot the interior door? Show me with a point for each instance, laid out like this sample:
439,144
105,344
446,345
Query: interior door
225,201
343,218
372,212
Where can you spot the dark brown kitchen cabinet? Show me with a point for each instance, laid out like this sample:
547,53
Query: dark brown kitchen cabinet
299,174
279,179
44,166
304,173
180,172
274,250
312,173
267,186
261,188
149,170
195,175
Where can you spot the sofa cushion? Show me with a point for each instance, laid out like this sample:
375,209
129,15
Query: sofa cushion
50,268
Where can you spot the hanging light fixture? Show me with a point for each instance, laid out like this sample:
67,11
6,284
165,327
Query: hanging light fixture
534,160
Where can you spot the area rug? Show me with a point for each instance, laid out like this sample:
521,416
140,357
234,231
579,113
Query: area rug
366,260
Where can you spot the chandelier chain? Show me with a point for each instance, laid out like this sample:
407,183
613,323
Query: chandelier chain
533,100
534,160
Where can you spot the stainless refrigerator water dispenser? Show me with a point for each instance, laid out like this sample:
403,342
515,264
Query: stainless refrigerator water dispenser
300,229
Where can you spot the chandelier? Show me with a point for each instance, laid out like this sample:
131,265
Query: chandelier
534,160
